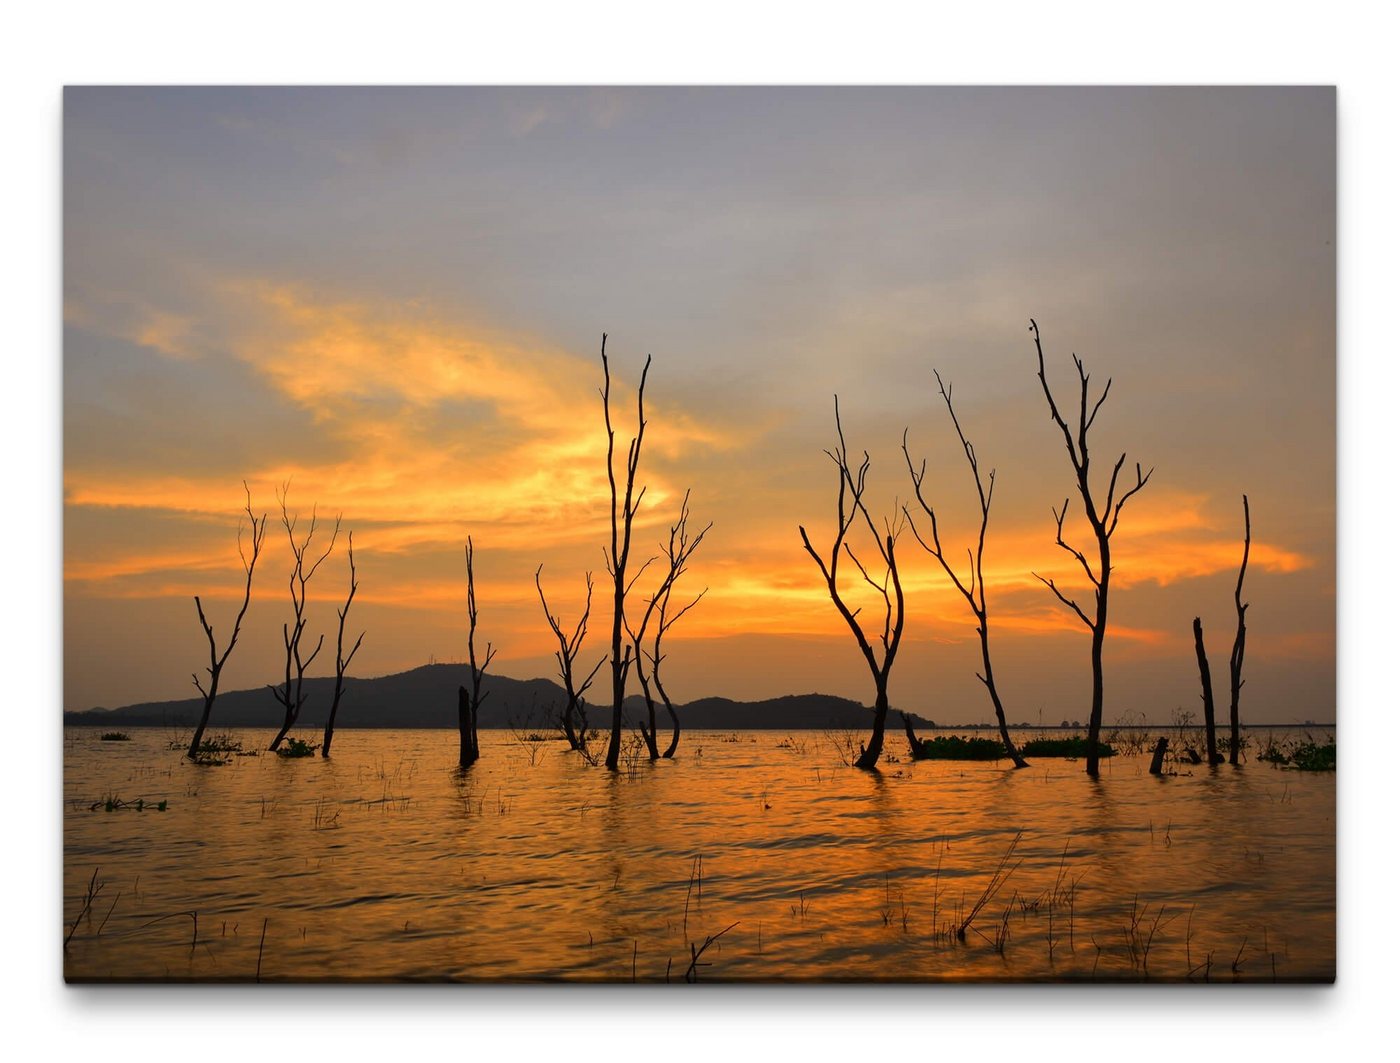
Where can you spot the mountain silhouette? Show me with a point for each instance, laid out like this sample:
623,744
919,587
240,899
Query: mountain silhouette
427,697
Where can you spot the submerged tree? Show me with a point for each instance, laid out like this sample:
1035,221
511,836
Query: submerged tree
853,484
974,590
342,659
679,548
620,548
1207,692
1237,652
469,702
291,695
217,660
1103,521
566,654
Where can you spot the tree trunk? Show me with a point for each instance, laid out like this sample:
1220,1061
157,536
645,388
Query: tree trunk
198,738
990,683
569,731
282,734
870,758
1237,652
466,727
1157,755
1207,694
330,721
649,731
675,732
1091,766
614,739
916,748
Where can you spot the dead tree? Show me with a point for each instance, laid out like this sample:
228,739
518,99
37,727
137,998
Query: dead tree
1157,755
217,660
974,590
678,549
469,702
1207,693
1103,520
291,695
917,750
342,659
1237,653
621,547
853,484
566,654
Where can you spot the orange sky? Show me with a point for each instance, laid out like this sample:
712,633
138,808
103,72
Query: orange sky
349,293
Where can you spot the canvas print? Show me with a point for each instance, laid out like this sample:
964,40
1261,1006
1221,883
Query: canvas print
699,534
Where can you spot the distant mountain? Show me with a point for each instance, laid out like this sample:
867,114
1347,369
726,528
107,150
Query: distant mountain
427,697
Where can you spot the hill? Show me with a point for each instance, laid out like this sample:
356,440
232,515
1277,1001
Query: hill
427,697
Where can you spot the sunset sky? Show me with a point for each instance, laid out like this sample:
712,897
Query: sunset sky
394,300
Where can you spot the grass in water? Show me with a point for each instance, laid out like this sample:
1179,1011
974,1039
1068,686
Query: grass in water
1078,746
955,747
295,747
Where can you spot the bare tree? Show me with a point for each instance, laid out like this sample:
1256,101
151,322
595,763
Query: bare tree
291,695
679,548
566,654
1207,692
974,590
621,546
1102,520
854,485
342,659
1237,652
469,702
217,660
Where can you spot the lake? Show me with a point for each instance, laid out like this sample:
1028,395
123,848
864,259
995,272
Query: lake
385,863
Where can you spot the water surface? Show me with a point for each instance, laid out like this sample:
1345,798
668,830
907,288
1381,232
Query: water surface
386,863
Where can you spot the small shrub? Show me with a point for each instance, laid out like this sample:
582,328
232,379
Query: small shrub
114,736
1078,746
1312,757
955,747
295,747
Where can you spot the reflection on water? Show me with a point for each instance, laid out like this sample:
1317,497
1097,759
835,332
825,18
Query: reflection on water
385,863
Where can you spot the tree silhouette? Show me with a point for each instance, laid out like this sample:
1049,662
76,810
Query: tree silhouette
342,659
469,702
854,485
291,695
1207,692
1102,520
1237,651
620,547
566,654
679,548
974,590
217,660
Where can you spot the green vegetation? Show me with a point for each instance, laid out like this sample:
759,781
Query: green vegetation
217,750
954,747
1078,746
295,747
114,736
1304,756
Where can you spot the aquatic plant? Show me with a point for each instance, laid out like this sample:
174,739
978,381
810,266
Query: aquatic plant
295,747
1304,755
955,747
1078,746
